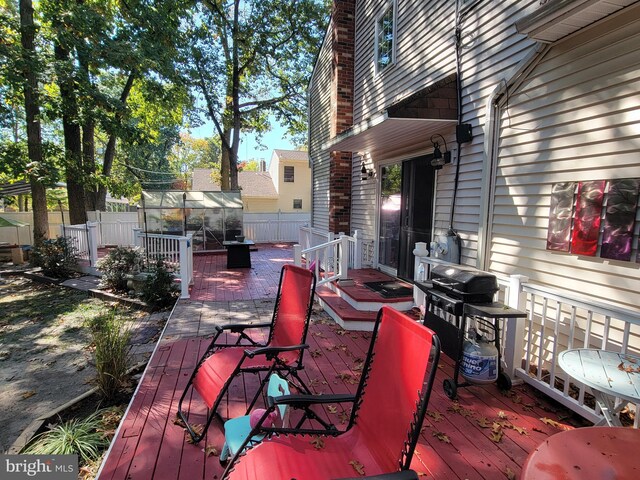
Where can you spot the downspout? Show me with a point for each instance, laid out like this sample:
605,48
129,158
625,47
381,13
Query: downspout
454,242
498,98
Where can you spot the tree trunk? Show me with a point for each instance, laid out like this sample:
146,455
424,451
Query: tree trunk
72,139
32,111
235,96
225,161
110,151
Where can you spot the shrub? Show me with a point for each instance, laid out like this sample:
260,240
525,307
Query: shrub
120,262
83,437
160,290
57,257
111,338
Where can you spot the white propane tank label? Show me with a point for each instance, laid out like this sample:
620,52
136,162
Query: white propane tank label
479,366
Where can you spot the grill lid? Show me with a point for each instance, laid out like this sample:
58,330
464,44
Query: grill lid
458,279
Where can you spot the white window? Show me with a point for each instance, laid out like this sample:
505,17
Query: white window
386,38
297,203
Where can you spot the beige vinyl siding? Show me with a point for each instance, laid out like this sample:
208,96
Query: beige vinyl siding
575,118
419,62
363,199
426,53
491,50
319,133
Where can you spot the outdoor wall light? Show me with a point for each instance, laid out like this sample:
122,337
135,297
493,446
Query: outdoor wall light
366,174
439,159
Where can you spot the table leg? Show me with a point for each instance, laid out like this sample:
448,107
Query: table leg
608,408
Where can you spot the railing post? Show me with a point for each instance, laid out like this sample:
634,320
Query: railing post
137,242
420,250
344,257
190,256
92,234
297,255
357,251
514,334
184,268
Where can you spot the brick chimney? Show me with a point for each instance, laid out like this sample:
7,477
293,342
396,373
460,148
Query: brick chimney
342,73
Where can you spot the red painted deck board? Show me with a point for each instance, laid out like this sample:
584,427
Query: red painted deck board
453,444
150,446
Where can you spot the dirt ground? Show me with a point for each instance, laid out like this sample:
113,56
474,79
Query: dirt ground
45,354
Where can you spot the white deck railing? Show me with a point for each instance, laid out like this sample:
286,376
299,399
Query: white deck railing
84,238
118,233
555,322
332,259
176,250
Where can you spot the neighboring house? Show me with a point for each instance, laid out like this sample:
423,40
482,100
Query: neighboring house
285,187
545,93
291,174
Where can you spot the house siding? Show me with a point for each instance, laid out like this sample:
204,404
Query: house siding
575,118
320,132
492,48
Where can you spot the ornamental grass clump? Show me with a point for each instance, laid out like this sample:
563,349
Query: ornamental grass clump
82,437
111,337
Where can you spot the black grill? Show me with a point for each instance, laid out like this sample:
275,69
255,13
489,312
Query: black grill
464,284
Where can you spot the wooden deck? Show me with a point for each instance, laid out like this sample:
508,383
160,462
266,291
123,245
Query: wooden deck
486,435
213,281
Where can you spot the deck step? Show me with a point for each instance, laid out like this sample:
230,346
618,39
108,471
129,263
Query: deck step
343,313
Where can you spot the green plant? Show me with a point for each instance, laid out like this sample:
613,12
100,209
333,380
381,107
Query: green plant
56,257
160,290
84,437
111,338
117,264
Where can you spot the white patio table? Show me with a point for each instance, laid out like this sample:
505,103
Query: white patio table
610,376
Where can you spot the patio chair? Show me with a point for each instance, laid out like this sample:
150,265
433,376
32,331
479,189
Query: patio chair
386,418
282,352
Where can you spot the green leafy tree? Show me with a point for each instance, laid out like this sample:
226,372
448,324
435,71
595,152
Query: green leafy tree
250,60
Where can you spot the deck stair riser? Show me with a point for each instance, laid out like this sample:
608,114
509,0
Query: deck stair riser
354,306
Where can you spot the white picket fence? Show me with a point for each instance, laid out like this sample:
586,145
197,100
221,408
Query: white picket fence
274,227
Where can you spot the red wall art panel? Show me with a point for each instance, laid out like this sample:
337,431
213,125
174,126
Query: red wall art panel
619,219
560,214
586,223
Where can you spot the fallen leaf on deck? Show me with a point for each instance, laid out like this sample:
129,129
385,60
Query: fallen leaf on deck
496,427
178,421
484,422
318,334
197,429
520,430
210,450
441,436
549,421
344,417
313,382
455,407
527,407
502,415
511,475
437,416
315,353
516,399
341,332
358,467
332,409
318,443
496,436
355,336
330,348
28,394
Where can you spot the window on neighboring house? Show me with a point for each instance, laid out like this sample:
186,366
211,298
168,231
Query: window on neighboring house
288,174
386,38
297,203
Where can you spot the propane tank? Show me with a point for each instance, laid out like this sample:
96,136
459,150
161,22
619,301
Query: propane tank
479,359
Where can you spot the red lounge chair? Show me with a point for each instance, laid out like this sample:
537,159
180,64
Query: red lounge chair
390,405
282,352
